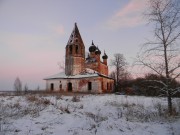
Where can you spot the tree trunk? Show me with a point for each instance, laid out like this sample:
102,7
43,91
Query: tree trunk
169,102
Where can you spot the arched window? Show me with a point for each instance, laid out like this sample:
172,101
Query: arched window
60,86
70,49
89,85
52,87
69,85
76,49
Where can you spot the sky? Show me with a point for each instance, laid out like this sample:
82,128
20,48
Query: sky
34,33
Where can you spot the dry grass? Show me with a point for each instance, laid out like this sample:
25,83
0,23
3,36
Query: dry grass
38,100
75,98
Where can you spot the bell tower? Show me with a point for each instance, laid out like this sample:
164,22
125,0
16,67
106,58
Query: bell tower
75,53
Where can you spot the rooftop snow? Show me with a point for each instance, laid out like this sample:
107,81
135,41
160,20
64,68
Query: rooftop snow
88,73
62,75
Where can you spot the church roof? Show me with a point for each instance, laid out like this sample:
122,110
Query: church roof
75,36
63,76
88,74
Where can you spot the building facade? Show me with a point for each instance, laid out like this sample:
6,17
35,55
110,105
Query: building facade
82,74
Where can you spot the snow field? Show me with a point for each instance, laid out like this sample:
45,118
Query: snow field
89,114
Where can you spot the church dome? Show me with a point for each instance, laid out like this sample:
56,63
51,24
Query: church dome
92,48
97,51
105,56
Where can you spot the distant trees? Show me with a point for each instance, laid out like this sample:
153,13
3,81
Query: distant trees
150,85
120,74
17,85
162,54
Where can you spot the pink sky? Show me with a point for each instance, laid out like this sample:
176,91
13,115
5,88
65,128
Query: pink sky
34,34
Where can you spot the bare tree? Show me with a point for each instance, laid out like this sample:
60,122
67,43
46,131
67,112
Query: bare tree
162,54
17,85
119,62
61,65
26,88
38,88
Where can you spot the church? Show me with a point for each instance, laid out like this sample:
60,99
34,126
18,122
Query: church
82,73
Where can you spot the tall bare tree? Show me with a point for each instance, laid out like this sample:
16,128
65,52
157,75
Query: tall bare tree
119,62
162,54
17,85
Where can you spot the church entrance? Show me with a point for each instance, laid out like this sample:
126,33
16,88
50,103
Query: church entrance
69,86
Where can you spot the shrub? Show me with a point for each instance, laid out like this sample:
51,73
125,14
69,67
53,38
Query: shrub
32,98
75,98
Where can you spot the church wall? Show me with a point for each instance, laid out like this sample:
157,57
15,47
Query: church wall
103,69
56,83
107,85
74,65
93,66
78,66
79,85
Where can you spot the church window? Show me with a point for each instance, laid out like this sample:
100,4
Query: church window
76,49
69,85
52,87
70,49
60,86
76,40
89,85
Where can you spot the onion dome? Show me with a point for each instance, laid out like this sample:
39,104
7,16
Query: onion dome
97,51
105,56
92,48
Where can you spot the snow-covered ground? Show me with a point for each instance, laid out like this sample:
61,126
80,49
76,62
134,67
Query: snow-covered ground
87,115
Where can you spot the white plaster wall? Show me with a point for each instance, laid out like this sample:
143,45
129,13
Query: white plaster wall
56,83
96,85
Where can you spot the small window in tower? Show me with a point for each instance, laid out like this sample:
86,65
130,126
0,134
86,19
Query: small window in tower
76,40
70,49
71,35
71,41
76,49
